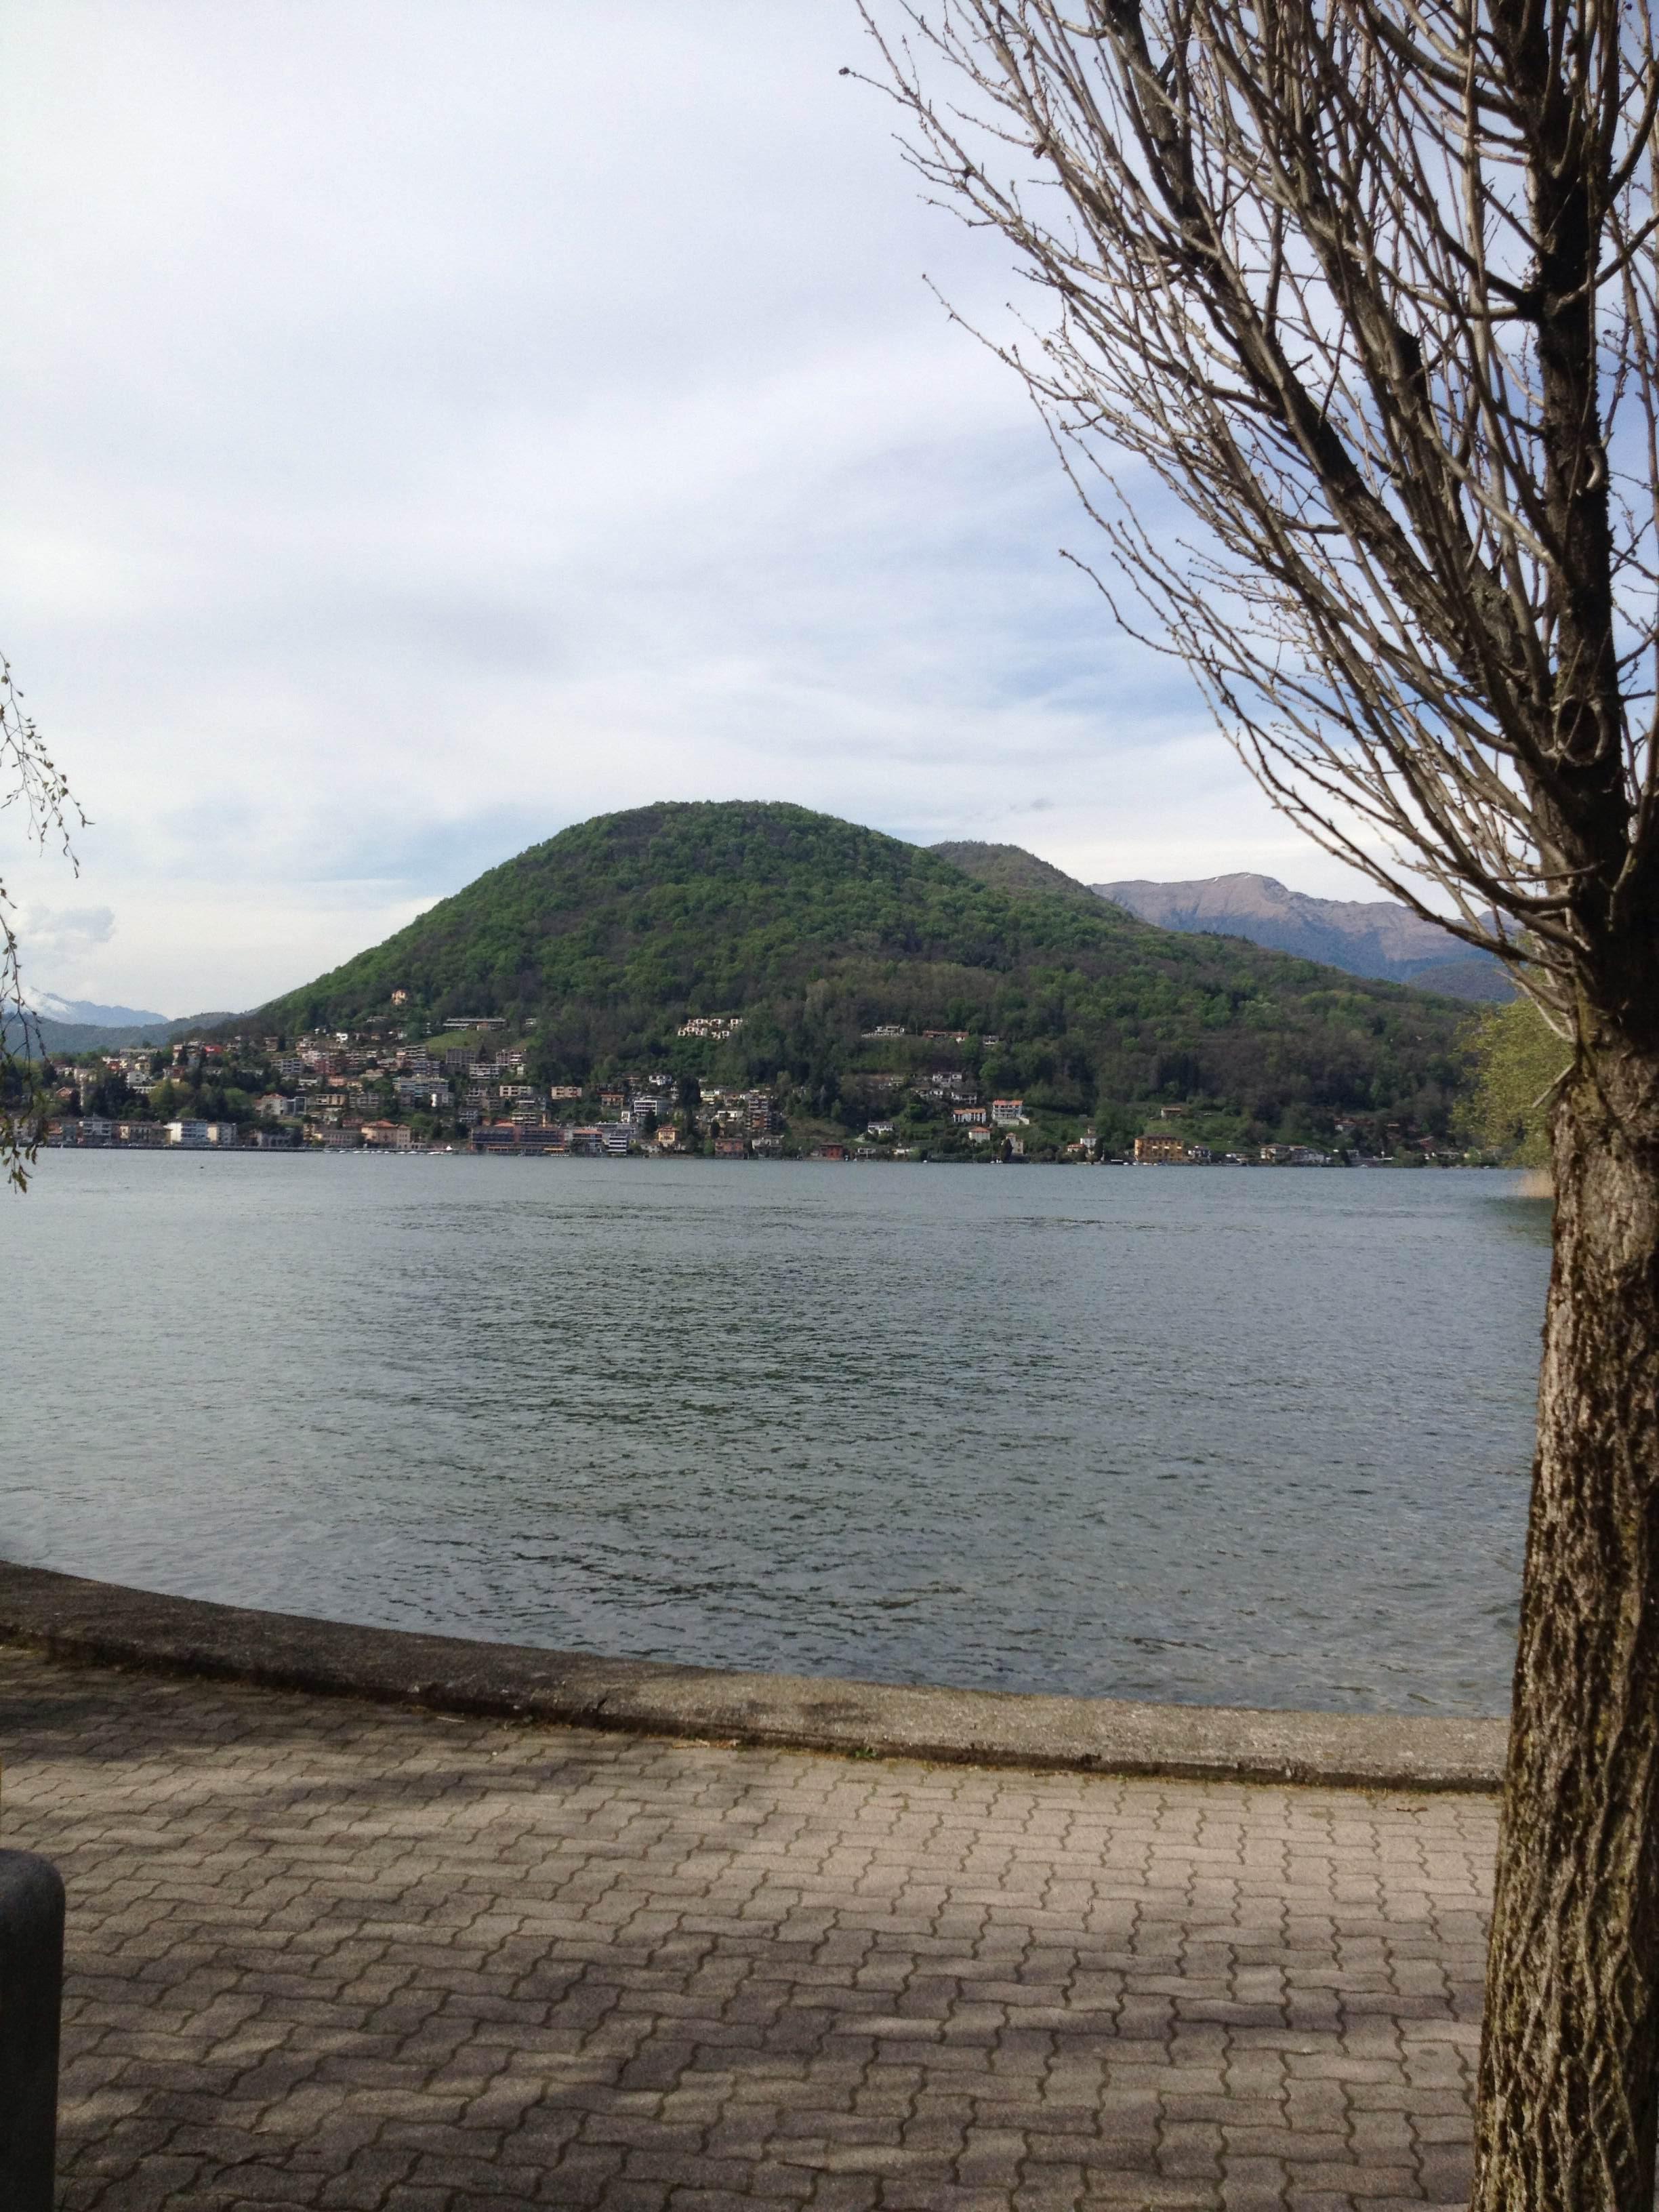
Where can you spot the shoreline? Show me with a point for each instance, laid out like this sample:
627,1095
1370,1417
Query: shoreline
1536,1184
73,1618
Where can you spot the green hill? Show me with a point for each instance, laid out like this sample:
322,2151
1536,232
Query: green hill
609,935
1010,868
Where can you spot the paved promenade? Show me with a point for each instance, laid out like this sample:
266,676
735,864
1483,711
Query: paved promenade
329,1954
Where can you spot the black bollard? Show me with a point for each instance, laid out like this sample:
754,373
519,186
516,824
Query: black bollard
31,2007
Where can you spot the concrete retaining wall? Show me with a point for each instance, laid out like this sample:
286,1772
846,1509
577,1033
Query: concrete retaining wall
107,1622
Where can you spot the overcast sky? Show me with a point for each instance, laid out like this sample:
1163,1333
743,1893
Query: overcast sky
424,426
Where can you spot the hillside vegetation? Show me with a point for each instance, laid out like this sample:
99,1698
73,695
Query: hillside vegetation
609,936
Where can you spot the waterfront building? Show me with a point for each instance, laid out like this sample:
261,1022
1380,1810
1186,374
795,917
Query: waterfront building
202,1136
1160,1151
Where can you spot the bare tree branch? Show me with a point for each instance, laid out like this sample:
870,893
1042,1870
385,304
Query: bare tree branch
30,780
1307,269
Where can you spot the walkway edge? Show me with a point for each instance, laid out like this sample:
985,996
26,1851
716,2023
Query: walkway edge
108,1623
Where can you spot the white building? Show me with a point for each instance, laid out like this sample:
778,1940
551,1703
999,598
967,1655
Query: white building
421,1090
202,1136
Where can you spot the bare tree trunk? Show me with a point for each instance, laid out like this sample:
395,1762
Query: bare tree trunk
1569,2061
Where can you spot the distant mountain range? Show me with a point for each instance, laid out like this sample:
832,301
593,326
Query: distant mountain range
71,1025
1364,936
87,1012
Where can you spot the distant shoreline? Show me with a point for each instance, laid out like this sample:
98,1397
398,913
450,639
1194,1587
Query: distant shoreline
1536,1182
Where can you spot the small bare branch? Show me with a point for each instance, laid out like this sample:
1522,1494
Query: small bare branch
31,782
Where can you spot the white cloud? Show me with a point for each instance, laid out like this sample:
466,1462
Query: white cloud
66,943
424,427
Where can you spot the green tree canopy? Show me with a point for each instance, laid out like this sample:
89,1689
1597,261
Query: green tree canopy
1518,1061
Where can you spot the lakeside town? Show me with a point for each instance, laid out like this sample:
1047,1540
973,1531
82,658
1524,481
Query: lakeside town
471,1088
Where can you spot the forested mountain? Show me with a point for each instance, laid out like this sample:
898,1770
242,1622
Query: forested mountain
611,935
1012,868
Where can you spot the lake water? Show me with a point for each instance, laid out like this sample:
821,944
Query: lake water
1218,1436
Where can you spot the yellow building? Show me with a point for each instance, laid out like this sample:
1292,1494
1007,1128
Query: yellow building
1160,1151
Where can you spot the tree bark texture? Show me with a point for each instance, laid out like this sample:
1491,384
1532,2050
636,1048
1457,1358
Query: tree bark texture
1569,2103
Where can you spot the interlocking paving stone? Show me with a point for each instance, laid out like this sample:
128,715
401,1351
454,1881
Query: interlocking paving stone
329,1954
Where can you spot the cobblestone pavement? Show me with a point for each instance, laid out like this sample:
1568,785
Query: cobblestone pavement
327,1955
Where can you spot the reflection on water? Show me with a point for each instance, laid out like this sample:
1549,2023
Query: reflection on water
1258,1438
